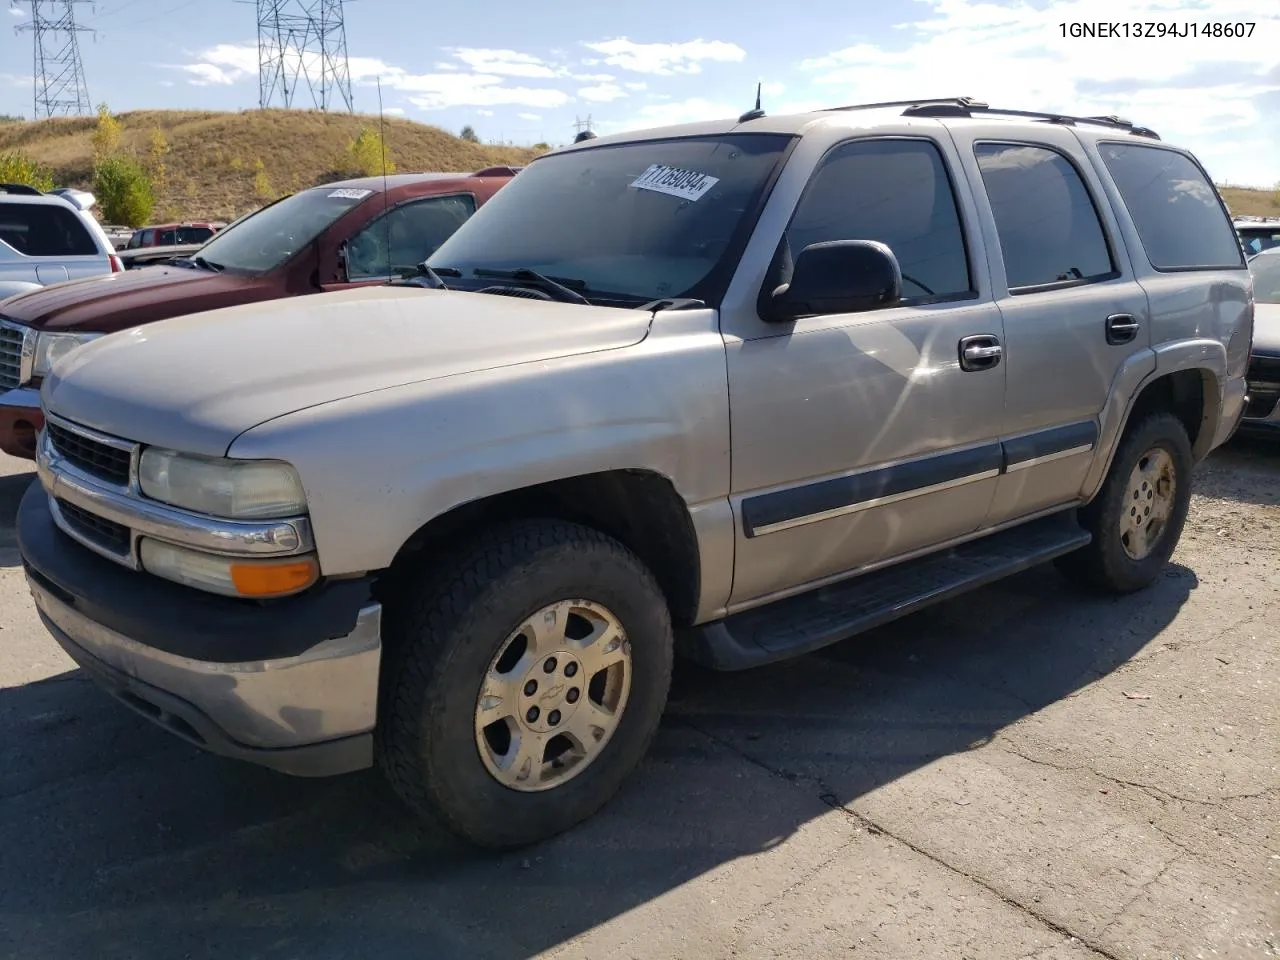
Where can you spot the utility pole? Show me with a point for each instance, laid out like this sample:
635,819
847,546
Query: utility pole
303,43
57,70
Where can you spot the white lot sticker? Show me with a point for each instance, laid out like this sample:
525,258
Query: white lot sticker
688,184
349,194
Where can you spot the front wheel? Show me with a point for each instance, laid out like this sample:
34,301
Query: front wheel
1137,517
527,678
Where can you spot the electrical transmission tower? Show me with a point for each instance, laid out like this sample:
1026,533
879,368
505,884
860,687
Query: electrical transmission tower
302,43
60,88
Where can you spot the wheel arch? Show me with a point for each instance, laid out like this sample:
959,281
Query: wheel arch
640,508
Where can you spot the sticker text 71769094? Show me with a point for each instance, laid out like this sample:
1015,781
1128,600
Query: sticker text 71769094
686,184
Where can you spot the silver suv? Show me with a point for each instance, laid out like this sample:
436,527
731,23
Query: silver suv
732,390
47,238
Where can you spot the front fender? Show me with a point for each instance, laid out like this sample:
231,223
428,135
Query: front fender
377,467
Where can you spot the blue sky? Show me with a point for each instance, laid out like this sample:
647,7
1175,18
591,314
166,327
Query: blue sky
523,72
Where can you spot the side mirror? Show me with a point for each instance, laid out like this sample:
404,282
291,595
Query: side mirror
838,276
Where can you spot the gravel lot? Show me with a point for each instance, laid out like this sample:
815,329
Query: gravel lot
1023,773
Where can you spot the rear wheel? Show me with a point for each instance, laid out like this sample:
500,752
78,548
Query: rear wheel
525,681
1137,517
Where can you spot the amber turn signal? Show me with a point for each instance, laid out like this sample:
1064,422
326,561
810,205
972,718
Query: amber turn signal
274,579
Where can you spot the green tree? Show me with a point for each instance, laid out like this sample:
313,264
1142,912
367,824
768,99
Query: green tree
17,167
124,191
367,154
106,135
469,134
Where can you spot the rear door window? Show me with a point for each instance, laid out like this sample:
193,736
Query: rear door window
1176,210
166,238
194,234
45,230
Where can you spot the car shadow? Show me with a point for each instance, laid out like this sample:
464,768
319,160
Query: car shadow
1244,470
117,840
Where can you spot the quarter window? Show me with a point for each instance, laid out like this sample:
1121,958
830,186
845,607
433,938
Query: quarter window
1175,208
895,191
1047,224
44,230
396,243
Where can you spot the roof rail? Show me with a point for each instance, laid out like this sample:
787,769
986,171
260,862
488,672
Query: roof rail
20,188
502,170
958,103
943,108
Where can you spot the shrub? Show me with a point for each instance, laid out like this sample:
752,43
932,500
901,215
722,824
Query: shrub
367,155
261,184
106,135
19,168
123,190
469,134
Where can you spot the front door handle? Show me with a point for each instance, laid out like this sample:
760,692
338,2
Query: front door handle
1121,328
980,352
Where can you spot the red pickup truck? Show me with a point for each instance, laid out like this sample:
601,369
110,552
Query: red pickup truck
351,233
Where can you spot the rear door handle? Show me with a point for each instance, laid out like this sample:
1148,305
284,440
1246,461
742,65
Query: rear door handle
980,352
1121,328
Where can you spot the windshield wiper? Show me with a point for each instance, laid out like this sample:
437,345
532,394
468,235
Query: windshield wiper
557,290
425,277
200,262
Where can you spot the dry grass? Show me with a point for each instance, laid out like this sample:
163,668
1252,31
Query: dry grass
1245,202
213,155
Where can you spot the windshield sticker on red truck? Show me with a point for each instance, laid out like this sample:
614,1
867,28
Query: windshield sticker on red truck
349,194
686,184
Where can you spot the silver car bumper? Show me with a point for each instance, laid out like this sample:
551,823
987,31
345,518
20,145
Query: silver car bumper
308,715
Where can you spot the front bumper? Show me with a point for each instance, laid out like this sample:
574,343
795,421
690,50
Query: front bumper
1262,416
290,685
21,420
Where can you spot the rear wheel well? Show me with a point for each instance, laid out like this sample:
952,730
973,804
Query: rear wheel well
639,508
1183,393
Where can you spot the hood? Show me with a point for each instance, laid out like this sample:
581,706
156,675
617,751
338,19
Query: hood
196,382
114,301
1266,328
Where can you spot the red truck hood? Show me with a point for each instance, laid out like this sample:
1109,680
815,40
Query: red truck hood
105,304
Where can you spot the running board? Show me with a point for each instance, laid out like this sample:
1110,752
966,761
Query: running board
807,622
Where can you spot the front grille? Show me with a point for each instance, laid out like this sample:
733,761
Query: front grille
105,533
10,356
92,456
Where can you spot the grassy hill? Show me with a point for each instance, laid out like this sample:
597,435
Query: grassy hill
1245,202
212,166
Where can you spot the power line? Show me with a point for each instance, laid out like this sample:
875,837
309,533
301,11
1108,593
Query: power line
58,79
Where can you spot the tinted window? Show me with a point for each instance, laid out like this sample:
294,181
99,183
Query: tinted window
633,221
148,238
44,230
1048,227
398,242
274,234
166,238
1266,278
193,234
1256,240
1179,217
896,192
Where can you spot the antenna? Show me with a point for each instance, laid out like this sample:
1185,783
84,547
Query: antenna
58,83
757,112
296,37
382,141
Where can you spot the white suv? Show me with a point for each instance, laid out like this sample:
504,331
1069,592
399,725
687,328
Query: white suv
47,238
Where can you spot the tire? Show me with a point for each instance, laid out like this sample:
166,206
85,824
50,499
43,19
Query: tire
446,628
1105,564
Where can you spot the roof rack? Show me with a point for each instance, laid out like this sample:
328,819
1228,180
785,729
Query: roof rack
954,109
20,188
968,106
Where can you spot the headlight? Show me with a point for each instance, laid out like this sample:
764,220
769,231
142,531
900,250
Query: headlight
230,576
236,489
52,347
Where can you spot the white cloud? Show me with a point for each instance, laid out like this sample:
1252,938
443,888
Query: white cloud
208,74
446,66
485,113
637,86
665,58
603,93
529,116
592,77
166,83
677,111
15,79
15,11
437,91
509,63
1201,92
394,111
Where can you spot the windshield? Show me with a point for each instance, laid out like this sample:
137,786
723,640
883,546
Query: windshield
636,221
1266,277
1257,239
274,234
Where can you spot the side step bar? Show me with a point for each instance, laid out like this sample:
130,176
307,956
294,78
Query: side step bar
809,621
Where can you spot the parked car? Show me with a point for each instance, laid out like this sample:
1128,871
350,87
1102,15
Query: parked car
1262,416
323,239
170,234
46,238
737,389
118,235
1258,233
154,256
